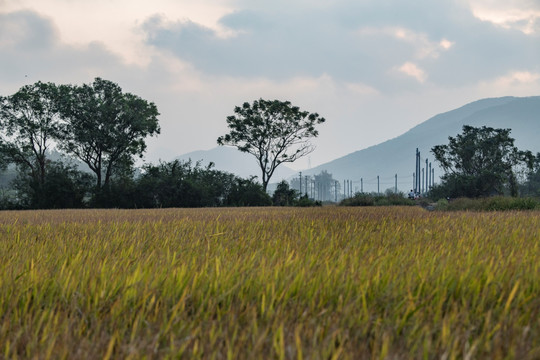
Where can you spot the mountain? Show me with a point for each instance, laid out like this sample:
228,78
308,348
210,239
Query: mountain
397,156
232,160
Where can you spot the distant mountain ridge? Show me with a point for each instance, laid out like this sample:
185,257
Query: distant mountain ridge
397,156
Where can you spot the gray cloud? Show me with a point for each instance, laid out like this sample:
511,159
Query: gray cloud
26,31
484,52
311,41
32,51
283,50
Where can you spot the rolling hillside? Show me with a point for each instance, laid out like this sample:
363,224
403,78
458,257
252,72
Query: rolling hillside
229,159
397,156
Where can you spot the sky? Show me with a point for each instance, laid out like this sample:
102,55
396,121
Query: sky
372,68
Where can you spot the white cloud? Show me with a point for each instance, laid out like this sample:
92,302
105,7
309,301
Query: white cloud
115,22
446,44
515,82
411,69
423,46
523,15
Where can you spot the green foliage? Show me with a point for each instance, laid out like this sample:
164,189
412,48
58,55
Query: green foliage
247,192
374,199
480,162
9,199
274,132
104,127
531,187
97,123
30,123
180,184
442,204
305,201
360,199
64,187
494,203
284,195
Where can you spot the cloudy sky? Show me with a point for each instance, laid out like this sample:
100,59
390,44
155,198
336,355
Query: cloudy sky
373,68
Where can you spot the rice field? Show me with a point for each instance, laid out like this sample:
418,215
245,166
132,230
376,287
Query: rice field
269,283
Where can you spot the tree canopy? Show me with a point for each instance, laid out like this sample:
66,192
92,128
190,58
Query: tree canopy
30,125
273,131
480,162
105,127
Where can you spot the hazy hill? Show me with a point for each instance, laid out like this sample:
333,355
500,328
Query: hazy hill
232,160
397,156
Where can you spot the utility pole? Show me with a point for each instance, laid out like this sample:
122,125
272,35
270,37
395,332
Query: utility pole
362,185
378,192
415,188
306,182
430,177
427,176
335,188
422,185
417,184
395,187
300,183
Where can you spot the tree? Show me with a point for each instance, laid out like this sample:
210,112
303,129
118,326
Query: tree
531,187
275,132
105,127
30,123
480,162
284,195
179,184
247,192
64,187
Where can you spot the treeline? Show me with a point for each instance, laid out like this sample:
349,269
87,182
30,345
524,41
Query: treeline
167,184
484,162
105,129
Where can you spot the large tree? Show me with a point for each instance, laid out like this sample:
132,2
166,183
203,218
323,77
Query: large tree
105,127
275,132
531,186
30,126
480,162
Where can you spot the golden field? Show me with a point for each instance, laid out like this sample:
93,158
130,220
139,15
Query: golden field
269,283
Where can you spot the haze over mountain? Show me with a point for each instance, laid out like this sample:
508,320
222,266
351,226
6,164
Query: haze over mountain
397,156
230,159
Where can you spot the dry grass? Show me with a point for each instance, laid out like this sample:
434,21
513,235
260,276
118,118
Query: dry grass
323,283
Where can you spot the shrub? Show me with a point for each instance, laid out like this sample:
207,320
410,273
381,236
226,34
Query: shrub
374,199
442,204
360,199
495,203
305,201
